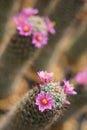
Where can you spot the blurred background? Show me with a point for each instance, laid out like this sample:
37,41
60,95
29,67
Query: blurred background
65,55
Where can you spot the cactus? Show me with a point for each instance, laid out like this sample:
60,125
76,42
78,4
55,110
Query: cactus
15,55
27,116
37,109
21,49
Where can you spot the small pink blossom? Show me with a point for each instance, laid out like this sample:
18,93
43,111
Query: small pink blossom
81,78
44,76
44,101
29,11
25,29
39,39
19,20
68,88
50,26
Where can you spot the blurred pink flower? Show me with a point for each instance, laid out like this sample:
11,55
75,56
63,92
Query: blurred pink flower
29,11
50,26
19,20
44,101
81,78
39,39
25,29
44,76
68,88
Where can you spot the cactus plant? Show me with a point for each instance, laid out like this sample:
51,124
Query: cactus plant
40,106
20,48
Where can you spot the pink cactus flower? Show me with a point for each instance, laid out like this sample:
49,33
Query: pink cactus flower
19,20
50,25
68,88
29,11
25,29
44,101
39,39
44,76
81,78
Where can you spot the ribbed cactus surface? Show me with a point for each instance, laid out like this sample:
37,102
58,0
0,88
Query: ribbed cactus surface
18,51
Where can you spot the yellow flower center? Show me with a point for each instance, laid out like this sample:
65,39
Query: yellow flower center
39,38
44,101
26,28
21,20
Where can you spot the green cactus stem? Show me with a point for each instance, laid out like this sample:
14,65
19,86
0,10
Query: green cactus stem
16,54
27,116
19,50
